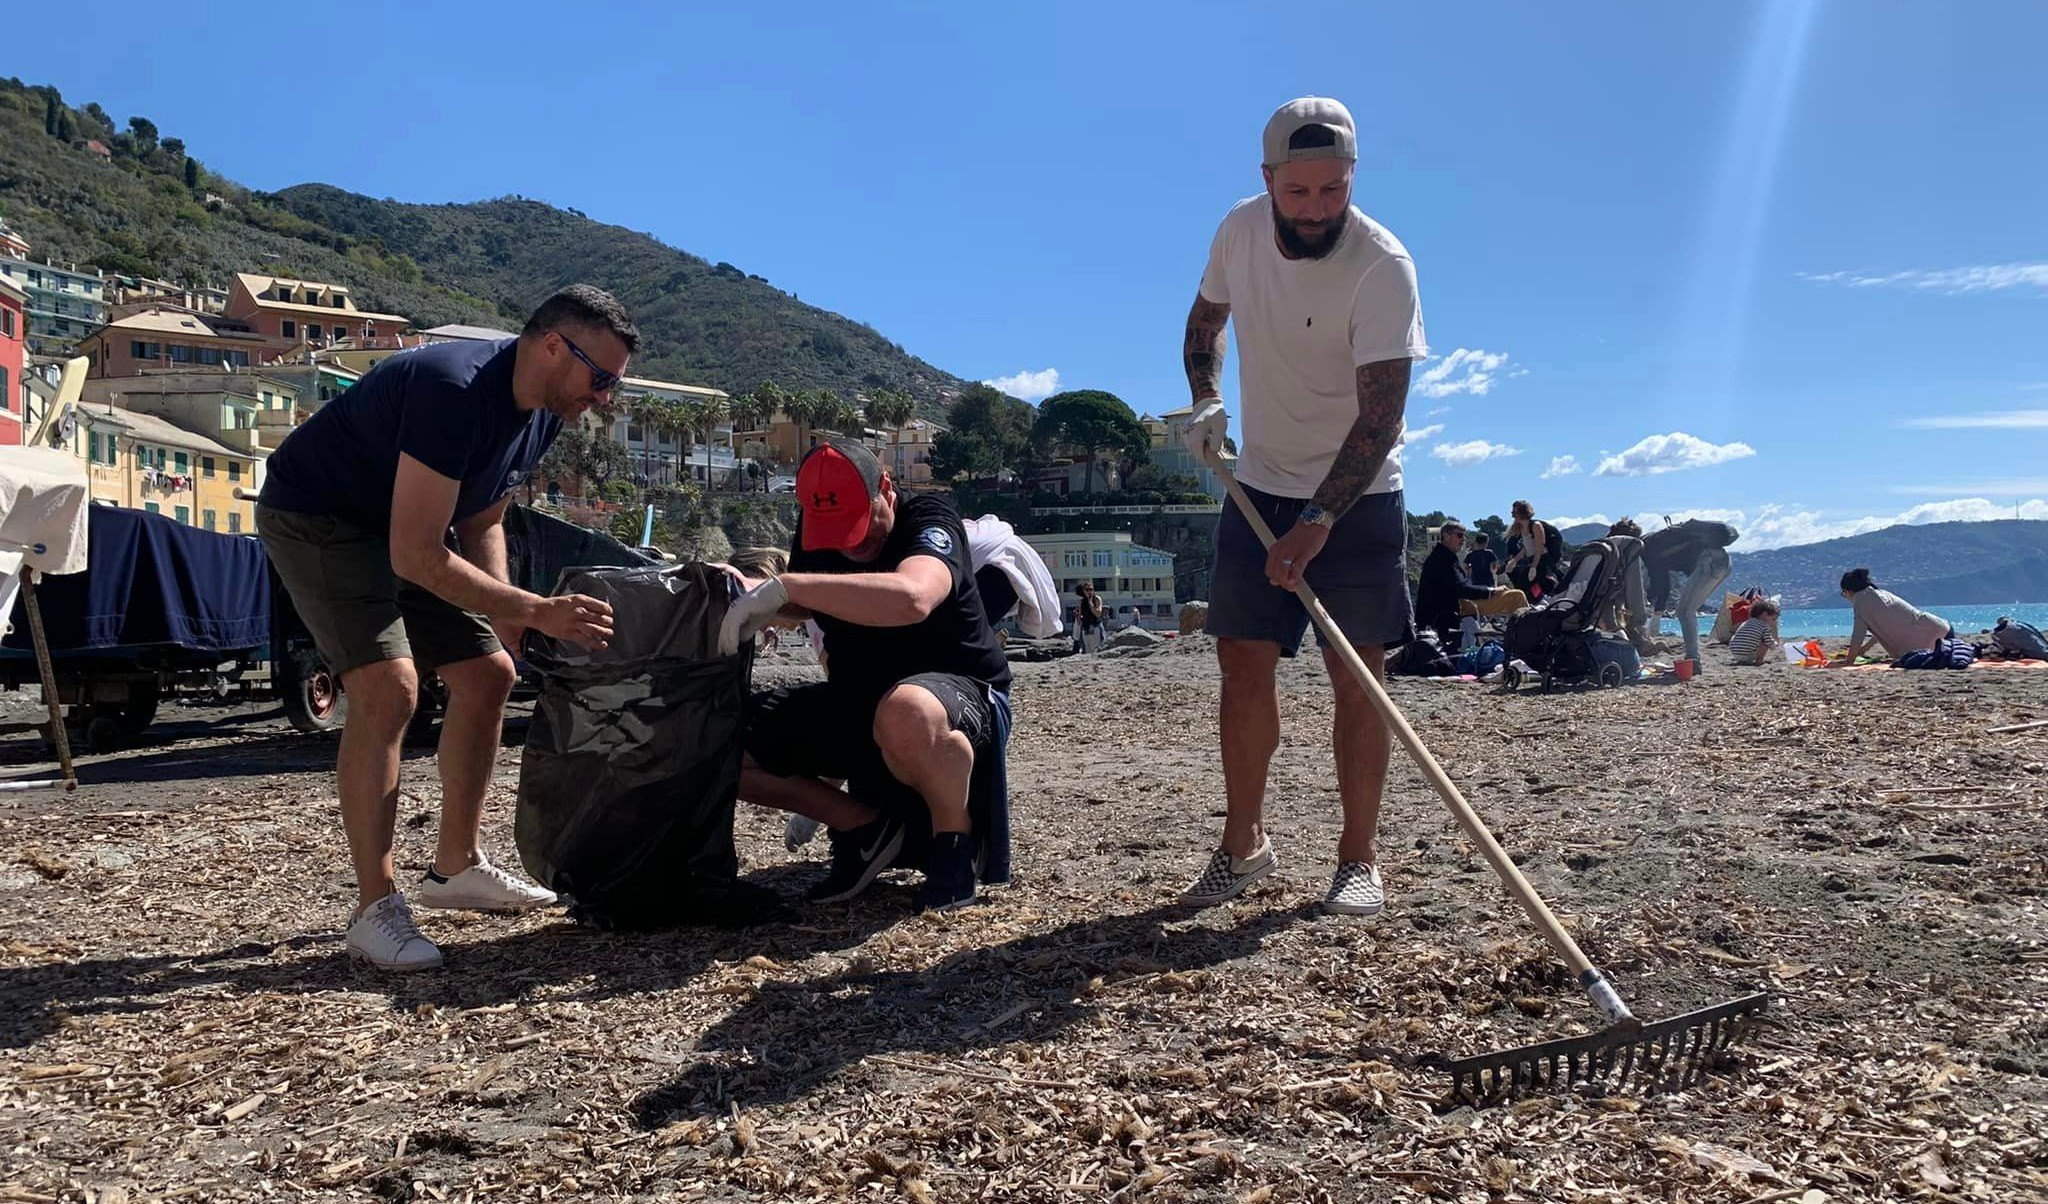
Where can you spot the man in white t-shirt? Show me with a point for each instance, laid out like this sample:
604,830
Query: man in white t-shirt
1328,327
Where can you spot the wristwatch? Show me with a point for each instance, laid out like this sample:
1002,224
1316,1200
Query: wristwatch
1313,513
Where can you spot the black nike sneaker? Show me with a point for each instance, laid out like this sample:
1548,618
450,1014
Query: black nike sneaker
857,856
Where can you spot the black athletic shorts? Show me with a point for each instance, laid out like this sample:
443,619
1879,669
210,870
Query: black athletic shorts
828,731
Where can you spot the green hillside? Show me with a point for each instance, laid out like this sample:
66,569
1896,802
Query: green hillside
156,210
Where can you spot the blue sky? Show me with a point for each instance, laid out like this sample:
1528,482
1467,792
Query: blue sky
1725,257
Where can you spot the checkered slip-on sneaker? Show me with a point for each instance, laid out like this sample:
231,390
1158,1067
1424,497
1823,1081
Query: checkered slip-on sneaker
1355,891
1226,877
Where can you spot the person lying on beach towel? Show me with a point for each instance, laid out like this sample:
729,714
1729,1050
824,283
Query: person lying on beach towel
1884,618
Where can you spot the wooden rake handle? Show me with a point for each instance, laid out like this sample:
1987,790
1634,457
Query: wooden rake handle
1597,987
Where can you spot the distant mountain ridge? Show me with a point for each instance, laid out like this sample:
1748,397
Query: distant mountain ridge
82,190
1931,564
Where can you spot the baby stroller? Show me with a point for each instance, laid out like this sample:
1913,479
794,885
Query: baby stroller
1557,638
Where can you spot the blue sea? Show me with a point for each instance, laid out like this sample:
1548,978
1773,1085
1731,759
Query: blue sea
1835,622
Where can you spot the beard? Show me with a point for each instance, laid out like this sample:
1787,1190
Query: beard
1312,243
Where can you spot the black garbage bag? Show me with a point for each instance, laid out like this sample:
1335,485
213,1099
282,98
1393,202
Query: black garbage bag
632,763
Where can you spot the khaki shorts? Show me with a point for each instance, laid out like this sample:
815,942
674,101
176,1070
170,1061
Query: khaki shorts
359,611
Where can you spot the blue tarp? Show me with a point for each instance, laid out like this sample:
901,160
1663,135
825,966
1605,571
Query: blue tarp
151,580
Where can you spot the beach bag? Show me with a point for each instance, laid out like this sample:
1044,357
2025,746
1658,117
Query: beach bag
1423,656
631,767
1481,660
1946,654
2020,641
1609,648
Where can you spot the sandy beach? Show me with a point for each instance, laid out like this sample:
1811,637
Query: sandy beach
177,1018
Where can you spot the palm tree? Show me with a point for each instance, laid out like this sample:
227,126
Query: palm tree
709,413
645,411
810,410
890,409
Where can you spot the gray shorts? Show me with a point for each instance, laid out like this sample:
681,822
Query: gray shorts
1361,575
360,612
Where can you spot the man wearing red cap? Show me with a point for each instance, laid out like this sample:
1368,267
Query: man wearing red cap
1328,325
916,684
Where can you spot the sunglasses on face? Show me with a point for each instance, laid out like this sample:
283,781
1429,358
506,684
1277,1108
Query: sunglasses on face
601,381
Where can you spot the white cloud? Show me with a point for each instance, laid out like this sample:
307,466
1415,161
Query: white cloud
2014,420
1436,410
1952,282
1562,466
1478,451
1783,526
1567,523
1418,434
1031,386
1462,371
1670,453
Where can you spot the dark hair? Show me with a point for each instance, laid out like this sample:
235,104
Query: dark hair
1518,507
1627,526
1311,135
1855,581
1763,606
587,306
1451,527
1480,538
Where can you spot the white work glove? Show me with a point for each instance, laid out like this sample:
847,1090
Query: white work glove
1208,426
749,613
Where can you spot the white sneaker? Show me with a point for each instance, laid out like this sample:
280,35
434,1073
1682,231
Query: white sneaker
1226,877
482,887
385,937
1355,891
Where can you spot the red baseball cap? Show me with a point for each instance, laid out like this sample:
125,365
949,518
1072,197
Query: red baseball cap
837,484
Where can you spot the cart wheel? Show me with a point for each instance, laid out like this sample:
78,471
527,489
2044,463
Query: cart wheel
136,714
104,732
310,692
1512,678
1610,675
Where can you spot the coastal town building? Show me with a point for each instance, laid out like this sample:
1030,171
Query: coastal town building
1135,582
14,387
65,302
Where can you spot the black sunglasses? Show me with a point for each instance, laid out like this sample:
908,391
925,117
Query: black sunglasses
601,381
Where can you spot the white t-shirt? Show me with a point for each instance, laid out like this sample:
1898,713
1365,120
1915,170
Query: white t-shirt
1304,328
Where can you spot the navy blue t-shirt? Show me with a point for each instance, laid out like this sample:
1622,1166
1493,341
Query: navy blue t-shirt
447,405
1479,563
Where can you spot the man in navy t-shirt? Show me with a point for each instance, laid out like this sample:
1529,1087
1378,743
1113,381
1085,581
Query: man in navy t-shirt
356,513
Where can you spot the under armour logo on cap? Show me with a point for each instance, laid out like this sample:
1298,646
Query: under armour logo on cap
838,481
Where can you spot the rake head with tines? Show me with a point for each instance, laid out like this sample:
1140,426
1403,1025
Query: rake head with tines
1663,1056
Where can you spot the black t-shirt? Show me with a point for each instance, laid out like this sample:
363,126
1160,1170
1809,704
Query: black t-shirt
1479,565
954,638
447,405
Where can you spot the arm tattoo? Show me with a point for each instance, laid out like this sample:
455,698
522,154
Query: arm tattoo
1382,401
1202,354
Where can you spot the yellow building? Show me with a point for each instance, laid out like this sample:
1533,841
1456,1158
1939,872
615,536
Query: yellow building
907,451
149,463
249,413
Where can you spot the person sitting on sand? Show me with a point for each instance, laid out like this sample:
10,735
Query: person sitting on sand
1884,618
915,690
1753,641
1448,602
